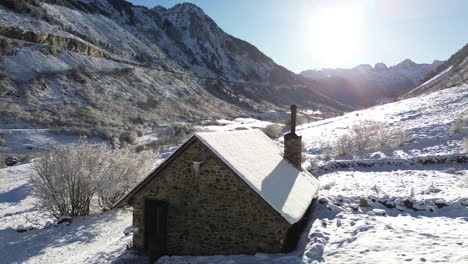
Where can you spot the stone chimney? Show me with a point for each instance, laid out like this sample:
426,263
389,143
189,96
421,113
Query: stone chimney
293,143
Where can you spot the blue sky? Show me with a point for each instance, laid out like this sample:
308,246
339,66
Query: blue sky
307,34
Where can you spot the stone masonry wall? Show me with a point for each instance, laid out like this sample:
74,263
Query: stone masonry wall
213,213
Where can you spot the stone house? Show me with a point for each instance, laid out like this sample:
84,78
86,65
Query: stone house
224,193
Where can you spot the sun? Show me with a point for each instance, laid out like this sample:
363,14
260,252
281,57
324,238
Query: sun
335,35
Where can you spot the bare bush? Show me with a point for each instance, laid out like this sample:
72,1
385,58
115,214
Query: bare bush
344,145
273,131
130,137
81,73
369,135
125,169
459,124
6,46
2,158
176,133
67,179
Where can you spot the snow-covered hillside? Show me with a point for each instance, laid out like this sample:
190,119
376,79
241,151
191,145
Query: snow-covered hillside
427,122
98,67
394,211
451,73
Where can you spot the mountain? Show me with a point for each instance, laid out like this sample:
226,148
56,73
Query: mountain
451,73
365,85
106,66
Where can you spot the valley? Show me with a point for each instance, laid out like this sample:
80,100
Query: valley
388,144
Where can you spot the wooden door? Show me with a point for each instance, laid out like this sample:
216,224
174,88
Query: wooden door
155,228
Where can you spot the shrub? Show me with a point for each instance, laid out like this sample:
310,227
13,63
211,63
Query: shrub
80,73
176,133
465,145
2,159
125,169
459,124
68,178
5,46
344,145
140,148
140,132
150,103
273,131
130,137
369,135
154,145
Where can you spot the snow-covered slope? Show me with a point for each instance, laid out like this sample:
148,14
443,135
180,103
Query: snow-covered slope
128,65
384,207
451,73
427,122
365,85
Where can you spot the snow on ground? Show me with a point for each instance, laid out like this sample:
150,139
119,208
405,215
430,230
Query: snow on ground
16,203
24,139
385,214
86,240
236,124
340,231
427,121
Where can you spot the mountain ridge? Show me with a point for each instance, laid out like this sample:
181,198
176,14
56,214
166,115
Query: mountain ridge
365,85
452,72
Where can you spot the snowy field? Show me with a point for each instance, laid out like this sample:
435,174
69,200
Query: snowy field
381,214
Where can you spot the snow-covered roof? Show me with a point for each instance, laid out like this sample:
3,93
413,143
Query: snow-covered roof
259,162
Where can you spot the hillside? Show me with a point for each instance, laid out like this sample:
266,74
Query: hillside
104,67
452,72
365,85
402,203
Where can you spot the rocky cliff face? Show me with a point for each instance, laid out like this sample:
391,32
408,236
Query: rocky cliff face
365,85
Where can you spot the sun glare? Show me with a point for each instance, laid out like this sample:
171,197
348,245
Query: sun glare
336,35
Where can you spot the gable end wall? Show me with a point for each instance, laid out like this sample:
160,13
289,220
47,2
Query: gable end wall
213,213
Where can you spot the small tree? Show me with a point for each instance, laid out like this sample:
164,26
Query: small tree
67,179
